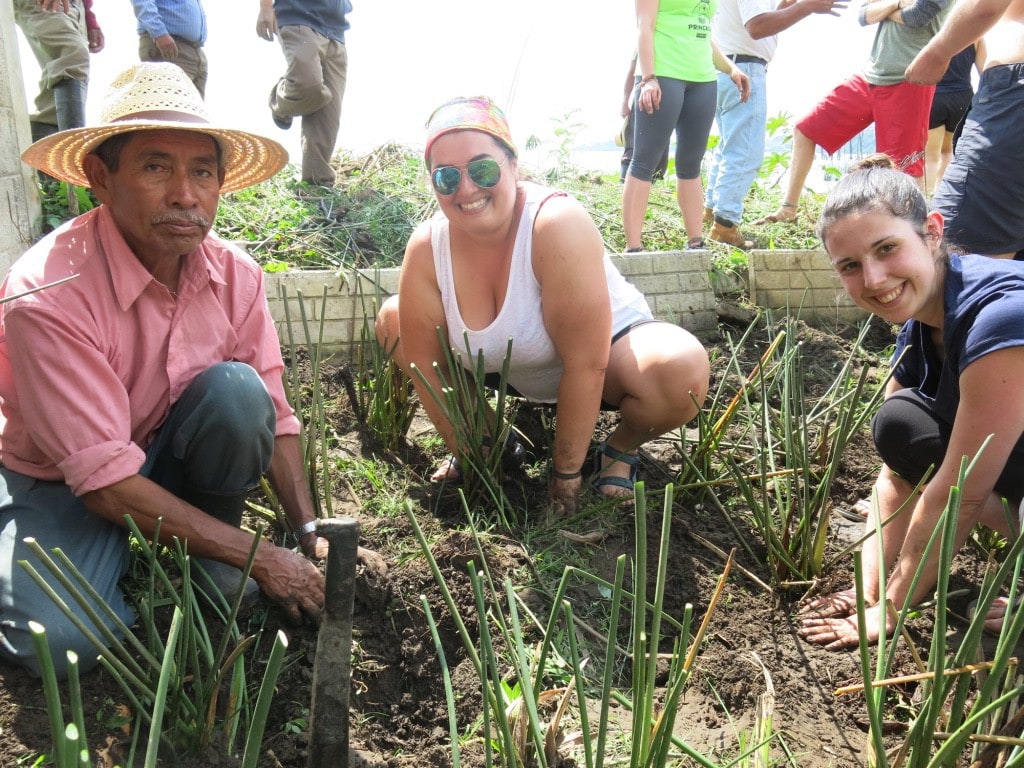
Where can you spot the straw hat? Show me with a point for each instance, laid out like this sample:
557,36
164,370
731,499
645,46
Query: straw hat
156,96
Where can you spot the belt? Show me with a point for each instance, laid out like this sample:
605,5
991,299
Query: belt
743,58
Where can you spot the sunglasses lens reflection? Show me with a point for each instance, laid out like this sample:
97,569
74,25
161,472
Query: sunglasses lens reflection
485,173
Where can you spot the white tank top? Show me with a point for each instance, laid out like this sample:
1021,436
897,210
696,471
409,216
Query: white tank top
535,368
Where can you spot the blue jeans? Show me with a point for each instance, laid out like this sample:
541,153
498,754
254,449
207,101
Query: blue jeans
217,439
740,151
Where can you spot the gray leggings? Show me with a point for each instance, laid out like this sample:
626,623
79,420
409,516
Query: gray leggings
687,107
217,440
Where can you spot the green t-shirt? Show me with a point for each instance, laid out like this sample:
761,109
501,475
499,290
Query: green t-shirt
682,40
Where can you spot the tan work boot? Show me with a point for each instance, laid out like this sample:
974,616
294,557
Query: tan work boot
730,235
709,217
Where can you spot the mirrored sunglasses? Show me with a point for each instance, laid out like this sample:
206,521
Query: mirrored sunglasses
485,173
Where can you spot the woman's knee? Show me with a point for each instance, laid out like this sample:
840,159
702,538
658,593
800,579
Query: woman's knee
386,330
909,436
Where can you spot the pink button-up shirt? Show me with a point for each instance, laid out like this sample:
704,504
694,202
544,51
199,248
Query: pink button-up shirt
89,368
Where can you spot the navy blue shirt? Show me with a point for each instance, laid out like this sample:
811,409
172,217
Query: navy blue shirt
984,312
328,17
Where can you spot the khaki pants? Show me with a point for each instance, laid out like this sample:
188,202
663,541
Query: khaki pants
312,88
60,44
191,59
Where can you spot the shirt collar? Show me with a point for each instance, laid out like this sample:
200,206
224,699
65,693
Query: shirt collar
130,279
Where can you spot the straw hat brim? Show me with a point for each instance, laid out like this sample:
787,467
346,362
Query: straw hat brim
248,158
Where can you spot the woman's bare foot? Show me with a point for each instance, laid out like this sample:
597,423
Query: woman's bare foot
448,471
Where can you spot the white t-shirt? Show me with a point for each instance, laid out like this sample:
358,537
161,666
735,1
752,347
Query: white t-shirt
730,34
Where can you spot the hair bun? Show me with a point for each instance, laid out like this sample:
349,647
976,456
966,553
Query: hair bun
875,160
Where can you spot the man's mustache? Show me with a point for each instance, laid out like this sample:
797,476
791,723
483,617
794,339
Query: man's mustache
181,217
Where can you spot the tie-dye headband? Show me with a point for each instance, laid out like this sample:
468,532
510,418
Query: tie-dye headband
472,113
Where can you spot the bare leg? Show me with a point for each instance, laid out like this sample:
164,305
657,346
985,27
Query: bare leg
690,196
658,375
933,160
635,194
800,166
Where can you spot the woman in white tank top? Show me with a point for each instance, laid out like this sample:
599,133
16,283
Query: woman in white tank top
510,259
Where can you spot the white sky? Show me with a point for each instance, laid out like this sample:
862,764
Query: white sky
539,58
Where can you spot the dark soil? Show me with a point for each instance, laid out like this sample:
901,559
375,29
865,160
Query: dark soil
398,712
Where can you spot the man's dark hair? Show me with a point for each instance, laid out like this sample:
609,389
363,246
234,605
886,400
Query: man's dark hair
110,150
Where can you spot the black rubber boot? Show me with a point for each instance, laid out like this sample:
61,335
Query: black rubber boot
41,130
69,99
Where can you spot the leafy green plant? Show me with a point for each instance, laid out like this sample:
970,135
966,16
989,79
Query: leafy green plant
955,709
781,448
189,691
513,729
482,424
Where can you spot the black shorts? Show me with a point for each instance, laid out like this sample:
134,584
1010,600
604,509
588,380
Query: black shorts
949,110
493,380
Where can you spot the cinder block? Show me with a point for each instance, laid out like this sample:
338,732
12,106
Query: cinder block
633,263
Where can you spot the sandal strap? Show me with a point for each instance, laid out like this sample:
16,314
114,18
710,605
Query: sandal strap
633,459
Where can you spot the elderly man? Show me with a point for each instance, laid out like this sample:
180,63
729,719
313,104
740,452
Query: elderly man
149,383
981,195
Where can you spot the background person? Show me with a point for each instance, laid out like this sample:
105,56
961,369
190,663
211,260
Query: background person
61,34
881,95
149,385
628,113
312,36
505,258
957,384
953,94
747,33
981,195
676,93
174,31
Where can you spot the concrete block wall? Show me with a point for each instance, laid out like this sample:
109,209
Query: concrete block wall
804,281
675,283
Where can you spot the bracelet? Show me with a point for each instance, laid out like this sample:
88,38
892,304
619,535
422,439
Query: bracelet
304,529
566,475
648,79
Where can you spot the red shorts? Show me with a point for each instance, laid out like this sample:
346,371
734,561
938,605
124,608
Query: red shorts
899,112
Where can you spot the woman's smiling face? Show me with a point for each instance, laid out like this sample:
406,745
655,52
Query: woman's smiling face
887,267
471,202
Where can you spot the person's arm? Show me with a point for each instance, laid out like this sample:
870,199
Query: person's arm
874,11
788,13
989,405
568,259
421,313
92,28
287,578
266,21
650,89
968,21
725,65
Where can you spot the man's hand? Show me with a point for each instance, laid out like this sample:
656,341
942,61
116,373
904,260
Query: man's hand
55,6
927,67
96,40
742,81
562,495
831,7
168,48
266,23
291,581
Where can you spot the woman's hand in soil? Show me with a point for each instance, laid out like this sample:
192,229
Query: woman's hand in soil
838,633
562,495
827,606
